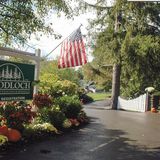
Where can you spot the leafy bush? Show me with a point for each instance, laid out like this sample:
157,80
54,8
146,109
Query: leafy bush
61,88
70,105
16,114
83,97
46,82
38,131
52,115
67,123
86,99
82,117
43,115
56,117
50,84
42,100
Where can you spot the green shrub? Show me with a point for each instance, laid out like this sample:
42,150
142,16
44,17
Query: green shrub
69,105
86,99
56,117
43,115
50,84
38,131
46,82
61,88
51,115
82,117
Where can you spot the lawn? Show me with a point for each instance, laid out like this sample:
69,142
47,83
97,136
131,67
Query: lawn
99,96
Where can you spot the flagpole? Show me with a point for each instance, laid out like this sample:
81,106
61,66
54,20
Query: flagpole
61,43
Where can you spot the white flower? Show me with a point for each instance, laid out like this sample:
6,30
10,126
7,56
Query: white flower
149,89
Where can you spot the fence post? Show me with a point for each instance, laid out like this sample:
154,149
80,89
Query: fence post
37,69
147,102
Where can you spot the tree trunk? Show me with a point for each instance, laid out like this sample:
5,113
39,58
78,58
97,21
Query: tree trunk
115,85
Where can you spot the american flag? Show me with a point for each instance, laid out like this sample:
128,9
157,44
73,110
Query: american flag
72,51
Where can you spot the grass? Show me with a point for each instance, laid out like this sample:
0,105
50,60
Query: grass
99,96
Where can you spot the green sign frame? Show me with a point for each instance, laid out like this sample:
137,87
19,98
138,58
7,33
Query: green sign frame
16,81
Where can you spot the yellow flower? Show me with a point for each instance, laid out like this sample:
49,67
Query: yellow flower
49,127
3,139
67,123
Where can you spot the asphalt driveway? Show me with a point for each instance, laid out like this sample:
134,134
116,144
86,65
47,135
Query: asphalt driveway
111,135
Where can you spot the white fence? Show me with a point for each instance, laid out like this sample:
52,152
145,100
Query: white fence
137,104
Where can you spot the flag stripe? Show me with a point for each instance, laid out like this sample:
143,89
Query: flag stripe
63,60
67,58
75,54
71,55
83,52
79,52
72,51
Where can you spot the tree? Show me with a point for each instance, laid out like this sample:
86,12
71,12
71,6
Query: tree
122,30
140,67
19,19
101,75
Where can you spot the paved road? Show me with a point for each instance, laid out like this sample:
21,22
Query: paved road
111,135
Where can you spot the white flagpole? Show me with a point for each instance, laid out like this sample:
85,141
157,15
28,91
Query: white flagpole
59,44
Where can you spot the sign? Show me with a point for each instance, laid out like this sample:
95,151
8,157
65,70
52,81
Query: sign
16,81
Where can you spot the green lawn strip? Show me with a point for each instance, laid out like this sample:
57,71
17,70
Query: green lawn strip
99,96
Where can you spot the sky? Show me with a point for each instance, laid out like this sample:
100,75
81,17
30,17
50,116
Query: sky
65,27
62,26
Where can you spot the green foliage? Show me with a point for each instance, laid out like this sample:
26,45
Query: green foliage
58,82
85,98
43,115
52,115
16,14
67,88
20,60
99,96
99,74
50,67
82,117
60,88
128,35
57,118
140,67
69,105
47,80
107,85
38,131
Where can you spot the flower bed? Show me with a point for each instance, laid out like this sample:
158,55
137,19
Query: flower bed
44,117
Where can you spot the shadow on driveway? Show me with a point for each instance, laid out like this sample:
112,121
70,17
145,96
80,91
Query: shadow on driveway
92,142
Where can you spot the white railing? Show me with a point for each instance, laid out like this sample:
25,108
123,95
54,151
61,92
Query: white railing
137,104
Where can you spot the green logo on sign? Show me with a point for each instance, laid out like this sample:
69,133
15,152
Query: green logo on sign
15,81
